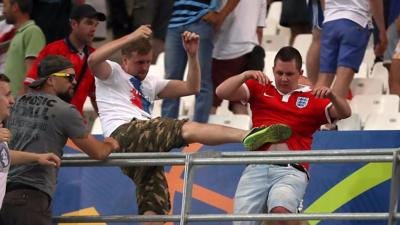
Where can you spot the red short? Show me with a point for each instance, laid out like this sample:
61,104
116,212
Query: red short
223,69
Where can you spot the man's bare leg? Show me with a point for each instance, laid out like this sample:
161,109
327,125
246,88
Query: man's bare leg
312,59
212,134
325,79
344,76
341,86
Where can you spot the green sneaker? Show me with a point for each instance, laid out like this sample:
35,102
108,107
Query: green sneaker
259,136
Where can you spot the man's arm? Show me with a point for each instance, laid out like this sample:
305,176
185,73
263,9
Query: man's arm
178,88
231,89
29,62
18,157
45,159
31,74
217,18
97,60
96,149
340,108
376,8
259,32
262,15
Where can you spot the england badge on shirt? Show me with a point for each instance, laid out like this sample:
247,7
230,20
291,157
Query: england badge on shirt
301,102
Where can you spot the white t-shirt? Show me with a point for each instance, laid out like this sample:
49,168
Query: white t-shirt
355,10
237,35
117,99
4,167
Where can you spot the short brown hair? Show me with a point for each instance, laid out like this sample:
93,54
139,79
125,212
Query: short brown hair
287,54
24,5
142,46
4,78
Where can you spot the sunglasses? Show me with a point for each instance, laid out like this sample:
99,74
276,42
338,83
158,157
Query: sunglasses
69,76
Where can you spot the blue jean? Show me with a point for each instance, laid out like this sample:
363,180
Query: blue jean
175,63
264,187
343,43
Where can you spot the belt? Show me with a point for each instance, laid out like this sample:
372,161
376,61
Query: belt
296,166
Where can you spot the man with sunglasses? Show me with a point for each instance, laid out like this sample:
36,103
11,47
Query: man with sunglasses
41,121
11,157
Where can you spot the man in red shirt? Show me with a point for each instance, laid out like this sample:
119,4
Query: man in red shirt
76,47
280,187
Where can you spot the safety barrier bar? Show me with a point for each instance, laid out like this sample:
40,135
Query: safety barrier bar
227,158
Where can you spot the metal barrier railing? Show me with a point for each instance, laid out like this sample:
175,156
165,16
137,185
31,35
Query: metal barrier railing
189,160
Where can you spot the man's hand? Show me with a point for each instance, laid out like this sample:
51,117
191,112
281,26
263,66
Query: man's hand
190,42
5,134
255,75
49,159
215,19
112,142
323,92
143,31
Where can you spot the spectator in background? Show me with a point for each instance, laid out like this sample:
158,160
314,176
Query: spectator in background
199,17
393,33
279,188
295,15
157,14
344,39
119,20
13,157
237,45
394,73
26,44
312,59
30,188
101,31
7,32
375,31
76,47
52,16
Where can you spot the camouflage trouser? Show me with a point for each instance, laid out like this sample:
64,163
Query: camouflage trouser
155,135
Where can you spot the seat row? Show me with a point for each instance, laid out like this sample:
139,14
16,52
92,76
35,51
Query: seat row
373,112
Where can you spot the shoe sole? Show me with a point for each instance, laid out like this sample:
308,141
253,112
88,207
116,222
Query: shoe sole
272,134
